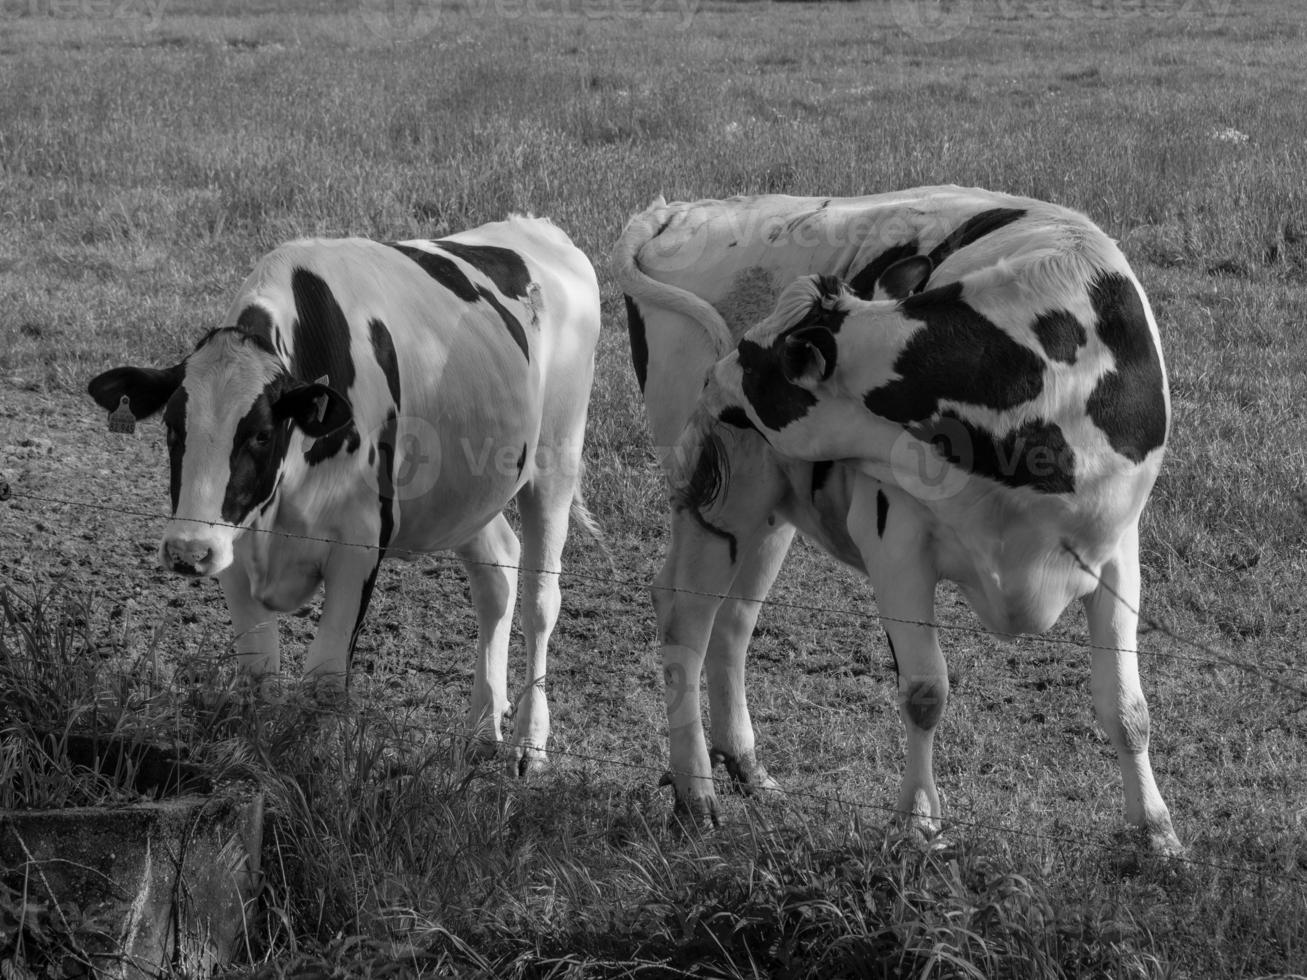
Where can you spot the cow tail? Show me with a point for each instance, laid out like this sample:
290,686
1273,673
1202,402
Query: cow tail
580,514
698,466
645,290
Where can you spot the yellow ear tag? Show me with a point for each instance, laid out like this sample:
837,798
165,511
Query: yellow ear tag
121,419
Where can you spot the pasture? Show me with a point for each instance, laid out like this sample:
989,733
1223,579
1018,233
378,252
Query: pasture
146,161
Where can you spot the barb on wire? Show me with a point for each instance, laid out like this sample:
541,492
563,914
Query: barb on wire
1213,657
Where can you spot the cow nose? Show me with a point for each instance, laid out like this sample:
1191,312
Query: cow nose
186,555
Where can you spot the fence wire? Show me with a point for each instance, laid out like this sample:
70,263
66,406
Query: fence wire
1207,656
1210,657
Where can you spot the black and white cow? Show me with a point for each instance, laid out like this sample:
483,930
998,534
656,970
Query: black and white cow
365,399
946,383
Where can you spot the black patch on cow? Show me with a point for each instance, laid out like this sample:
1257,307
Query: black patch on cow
973,229
511,322
502,266
820,474
365,599
257,450
521,460
257,322
959,356
322,348
383,349
444,270
776,401
1127,404
1060,334
863,285
386,447
174,418
882,512
372,455
639,342
1034,455
736,418
385,460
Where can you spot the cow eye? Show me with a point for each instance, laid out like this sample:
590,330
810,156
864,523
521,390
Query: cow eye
261,439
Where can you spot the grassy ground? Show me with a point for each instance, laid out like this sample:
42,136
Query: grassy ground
147,162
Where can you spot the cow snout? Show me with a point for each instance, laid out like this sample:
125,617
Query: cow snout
188,556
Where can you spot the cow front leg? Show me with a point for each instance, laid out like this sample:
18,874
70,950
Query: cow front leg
257,642
348,578
733,741
895,547
490,559
1118,698
699,567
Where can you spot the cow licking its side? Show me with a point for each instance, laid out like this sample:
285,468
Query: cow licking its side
958,385
366,399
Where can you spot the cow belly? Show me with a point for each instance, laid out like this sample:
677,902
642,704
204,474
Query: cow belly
453,497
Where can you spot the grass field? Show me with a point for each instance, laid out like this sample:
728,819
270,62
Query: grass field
146,161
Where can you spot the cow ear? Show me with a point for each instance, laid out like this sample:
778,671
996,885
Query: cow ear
903,278
315,408
146,389
808,356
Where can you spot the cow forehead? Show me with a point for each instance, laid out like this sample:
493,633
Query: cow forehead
226,374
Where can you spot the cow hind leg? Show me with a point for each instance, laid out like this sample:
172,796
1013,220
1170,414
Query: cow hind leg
732,727
544,505
698,569
490,559
1118,698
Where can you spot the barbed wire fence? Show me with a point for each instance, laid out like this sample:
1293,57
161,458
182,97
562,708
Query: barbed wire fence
617,582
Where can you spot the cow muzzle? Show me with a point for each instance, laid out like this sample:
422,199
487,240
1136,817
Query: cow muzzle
194,555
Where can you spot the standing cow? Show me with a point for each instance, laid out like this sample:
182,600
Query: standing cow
960,384
366,399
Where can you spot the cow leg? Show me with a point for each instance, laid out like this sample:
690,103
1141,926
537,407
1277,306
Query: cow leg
894,545
1118,698
732,728
347,582
258,647
699,567
544,505
490,559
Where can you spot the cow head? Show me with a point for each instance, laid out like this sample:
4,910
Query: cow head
230,409
788,375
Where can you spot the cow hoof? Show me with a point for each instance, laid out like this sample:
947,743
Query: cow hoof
748,777
524,762
476,750
694,812
1157,841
